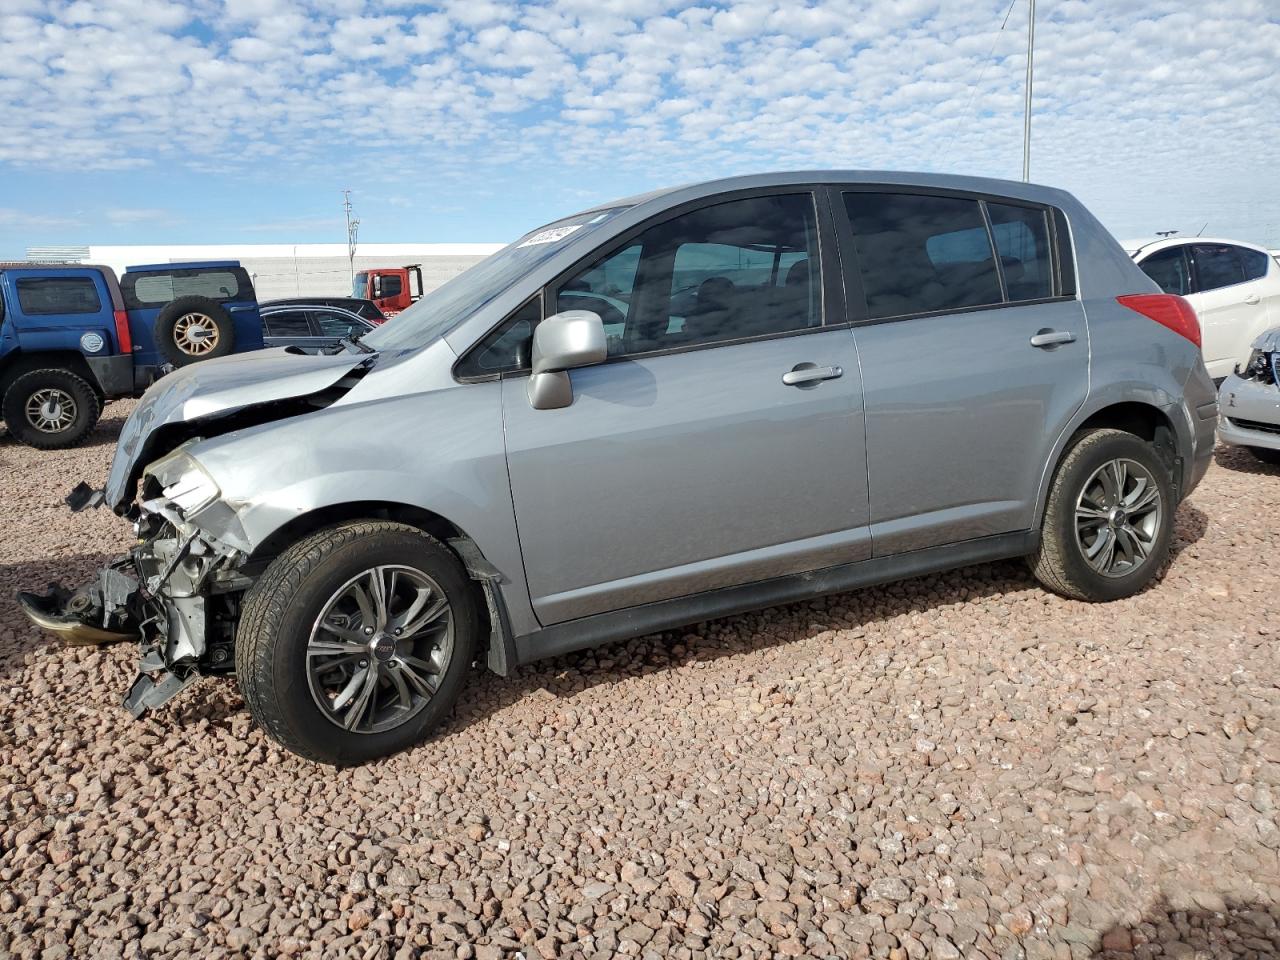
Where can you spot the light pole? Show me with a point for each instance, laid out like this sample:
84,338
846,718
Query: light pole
353,228
1026,111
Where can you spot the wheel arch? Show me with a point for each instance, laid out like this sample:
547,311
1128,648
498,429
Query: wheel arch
19,362
1142,416
499,646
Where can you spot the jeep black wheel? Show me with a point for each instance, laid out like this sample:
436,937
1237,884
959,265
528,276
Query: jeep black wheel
191,329
1109,518
356,641
50,409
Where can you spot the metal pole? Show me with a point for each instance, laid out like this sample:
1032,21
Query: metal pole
1026,112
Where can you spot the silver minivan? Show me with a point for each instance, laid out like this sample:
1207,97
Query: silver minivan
669,408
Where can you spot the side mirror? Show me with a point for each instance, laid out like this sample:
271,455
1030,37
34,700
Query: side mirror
376,283
574,338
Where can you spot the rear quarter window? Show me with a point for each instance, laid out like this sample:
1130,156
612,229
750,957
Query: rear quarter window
156,288
58,295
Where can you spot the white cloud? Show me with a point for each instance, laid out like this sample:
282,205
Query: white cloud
1167,100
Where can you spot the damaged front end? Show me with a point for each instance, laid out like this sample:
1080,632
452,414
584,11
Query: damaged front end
177,591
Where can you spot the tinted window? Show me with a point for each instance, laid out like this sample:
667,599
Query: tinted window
152,288
1022,240
390,286
1216,266
739,269
1168,268
1255,263
58,295
920,254
507,347
287,323
334,324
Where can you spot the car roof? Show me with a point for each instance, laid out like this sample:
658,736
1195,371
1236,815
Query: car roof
182,265
1151,245
945,181
276,307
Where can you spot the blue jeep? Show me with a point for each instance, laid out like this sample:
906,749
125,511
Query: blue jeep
72,337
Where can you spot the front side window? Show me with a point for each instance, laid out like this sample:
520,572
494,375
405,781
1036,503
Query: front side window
334,324
1216,265
733,270
1168,268
58,295
390,285
922,254
287,323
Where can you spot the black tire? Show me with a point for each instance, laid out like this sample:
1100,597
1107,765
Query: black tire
191,329
64,390
276,623
1060,562
1265,455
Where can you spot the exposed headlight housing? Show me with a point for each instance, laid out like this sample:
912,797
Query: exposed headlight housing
92,342
1258,367
183,482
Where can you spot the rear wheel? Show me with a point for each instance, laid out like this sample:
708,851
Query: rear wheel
50,409
1265,455
356,641
1108,521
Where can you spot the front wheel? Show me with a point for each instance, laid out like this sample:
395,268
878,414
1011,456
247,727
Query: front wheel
1108,521
356,641
50,409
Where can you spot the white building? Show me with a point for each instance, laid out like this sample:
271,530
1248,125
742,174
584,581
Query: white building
288,270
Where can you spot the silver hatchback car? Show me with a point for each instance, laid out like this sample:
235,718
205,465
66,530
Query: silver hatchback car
674,407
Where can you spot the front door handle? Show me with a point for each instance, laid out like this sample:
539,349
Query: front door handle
1051,338
1252,298
809,374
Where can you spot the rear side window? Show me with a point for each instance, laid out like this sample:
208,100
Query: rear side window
1022,240
153,289
334,324
1168,268
1216,265
922,254
54,295
287,323
1255,263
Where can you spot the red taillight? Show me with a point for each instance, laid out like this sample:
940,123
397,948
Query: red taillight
123,337
1167,310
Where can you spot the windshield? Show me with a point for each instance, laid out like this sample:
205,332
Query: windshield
439,311
358,285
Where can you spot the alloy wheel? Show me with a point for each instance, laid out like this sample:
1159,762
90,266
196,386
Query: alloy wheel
195,334
380,648
51,410
1118,516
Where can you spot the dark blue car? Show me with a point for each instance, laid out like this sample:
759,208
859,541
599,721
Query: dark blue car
72,337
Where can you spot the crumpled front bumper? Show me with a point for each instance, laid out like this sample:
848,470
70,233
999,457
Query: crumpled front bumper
176,593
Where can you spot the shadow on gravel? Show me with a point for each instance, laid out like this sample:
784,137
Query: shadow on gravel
1240,460
1241,930
34,576
1190,524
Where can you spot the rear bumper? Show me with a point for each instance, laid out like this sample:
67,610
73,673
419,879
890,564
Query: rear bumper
114,374
1200,408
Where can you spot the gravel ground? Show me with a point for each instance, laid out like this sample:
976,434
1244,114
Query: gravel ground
954,766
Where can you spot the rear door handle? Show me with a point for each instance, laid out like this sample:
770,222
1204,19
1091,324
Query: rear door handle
1051,338
809,374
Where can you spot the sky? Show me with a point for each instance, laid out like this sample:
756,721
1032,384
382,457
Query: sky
221,121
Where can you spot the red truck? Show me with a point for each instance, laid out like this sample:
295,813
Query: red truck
392,288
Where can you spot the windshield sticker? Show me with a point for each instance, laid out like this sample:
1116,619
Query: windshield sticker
550,236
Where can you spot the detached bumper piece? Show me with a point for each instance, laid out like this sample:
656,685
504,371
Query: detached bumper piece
97,613
156,685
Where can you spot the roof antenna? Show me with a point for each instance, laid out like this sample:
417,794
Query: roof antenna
1202,229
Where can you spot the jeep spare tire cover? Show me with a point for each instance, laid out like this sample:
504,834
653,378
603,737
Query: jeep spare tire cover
190,329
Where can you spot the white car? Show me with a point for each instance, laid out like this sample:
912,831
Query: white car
1234,287
1249,402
